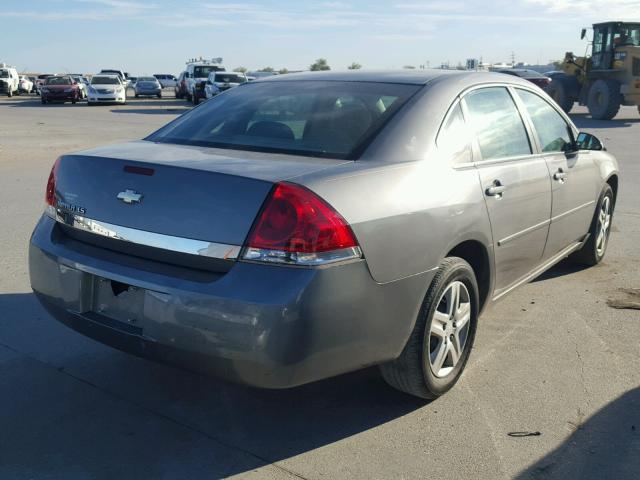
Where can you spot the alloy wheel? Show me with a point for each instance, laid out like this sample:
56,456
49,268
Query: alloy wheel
604,222
449,329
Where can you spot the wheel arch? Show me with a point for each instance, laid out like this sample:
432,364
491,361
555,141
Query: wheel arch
477,255
612,181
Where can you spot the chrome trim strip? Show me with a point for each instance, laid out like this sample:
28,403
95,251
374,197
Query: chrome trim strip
149,239
523,232
573,210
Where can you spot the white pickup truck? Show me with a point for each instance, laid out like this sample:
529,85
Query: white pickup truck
197,73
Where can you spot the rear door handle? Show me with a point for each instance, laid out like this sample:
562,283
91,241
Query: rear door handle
495,190
560,175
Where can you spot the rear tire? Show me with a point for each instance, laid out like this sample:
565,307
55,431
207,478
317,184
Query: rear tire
593,251
438,349
604,99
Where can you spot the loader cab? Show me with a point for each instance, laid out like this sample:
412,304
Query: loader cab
607,38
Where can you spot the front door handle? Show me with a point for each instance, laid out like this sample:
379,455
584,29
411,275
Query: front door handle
496,189
560,175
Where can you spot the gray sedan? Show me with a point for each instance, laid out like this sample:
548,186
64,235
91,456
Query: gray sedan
308,225
147,86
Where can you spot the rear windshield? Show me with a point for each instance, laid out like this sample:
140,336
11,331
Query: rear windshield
203,71
312,118
4,73
147,79
105,81
58,81
230,78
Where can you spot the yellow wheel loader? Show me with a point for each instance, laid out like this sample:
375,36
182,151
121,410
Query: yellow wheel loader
605,79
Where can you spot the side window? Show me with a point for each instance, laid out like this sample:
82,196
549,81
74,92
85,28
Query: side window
552,130
454,140
497,123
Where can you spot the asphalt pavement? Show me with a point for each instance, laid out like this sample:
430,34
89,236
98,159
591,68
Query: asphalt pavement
552,389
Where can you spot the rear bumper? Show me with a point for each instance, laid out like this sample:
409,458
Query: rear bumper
262,325
143,93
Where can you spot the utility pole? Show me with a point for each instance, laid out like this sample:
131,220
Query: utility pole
513,59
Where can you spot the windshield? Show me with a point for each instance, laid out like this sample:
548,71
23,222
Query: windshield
58,81
230,78
312,118
4,73
105,81
203,71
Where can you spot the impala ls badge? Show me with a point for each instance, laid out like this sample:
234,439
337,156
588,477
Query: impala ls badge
130,196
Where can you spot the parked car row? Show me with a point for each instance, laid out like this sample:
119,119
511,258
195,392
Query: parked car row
108,86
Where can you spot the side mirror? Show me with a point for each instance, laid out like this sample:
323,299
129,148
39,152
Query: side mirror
583,33
586,141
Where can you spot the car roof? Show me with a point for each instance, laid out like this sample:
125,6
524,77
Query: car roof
461,78
414,77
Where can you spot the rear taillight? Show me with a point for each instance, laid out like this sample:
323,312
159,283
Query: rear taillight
296,226
50,193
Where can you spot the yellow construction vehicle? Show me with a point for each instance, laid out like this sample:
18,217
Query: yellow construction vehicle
605,79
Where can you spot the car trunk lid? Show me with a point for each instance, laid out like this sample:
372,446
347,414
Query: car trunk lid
187,192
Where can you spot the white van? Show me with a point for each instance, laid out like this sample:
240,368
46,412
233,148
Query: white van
9,80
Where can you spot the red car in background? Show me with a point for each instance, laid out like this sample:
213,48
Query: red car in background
534,77
60,88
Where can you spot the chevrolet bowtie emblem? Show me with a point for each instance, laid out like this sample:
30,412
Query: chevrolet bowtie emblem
130,196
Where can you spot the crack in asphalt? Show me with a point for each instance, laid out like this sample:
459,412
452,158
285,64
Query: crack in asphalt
161,415
580,414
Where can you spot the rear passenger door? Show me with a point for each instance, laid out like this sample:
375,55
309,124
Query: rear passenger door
575,177
514,180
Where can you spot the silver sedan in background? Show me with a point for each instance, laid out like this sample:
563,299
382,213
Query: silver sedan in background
147,87
308,225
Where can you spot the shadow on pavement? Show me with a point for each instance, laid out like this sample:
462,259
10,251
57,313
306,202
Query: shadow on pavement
70,405
565,267
607,446
154,111
583,120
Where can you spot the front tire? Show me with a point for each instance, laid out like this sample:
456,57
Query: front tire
604,99
593,251
439,345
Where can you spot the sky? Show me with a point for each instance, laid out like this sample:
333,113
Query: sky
158,36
